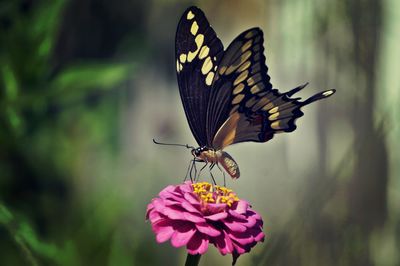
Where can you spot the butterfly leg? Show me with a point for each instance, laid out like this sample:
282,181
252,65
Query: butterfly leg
196,176
212,177
189,170
193,168
206,163
223,173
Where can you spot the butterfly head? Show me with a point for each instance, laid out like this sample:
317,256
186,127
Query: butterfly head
198,151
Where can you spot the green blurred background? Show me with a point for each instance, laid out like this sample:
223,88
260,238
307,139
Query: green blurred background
86,84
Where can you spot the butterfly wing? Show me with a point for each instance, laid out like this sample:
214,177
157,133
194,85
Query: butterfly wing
241,73
262,115
243,106
198,52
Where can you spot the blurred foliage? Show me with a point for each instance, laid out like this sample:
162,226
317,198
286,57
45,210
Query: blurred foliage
86,84
38,103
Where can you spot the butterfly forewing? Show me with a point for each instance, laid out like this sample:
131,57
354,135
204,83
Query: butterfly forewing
198,52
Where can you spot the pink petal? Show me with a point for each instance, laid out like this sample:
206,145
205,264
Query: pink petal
182,235
163,231
148,209
189,207
186,188
259,237
158,204
164,235
198,244
238,248
254,215
207,229
170,202
173,213
173,196
193,218
237,215
155,216
217,216
242,207
166,191
192,199
242,238
216,207
250,222
224,244
235,226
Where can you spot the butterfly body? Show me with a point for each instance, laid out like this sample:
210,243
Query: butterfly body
226,94
210,155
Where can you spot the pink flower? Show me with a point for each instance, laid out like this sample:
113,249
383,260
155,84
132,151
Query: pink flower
194,215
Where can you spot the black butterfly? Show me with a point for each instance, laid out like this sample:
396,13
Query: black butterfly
227,95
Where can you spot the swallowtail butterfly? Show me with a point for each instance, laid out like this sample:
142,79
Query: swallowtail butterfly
226,94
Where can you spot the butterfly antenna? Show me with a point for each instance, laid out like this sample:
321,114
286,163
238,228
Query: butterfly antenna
173,144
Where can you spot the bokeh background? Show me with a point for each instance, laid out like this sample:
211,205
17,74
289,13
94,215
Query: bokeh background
86,84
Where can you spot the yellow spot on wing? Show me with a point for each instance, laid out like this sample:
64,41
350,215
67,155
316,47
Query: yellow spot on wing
256,88
209,78
194,28
273,110
199,42
190,15
273,116
241,77
238,88
182,58
222,70
246,45
244,66
177,66
254,79
268,106
275,125
204,52
207,65
238,62
249,35
327,93
238,98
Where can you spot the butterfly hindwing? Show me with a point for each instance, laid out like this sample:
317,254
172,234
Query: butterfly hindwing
198,52
262,115
241,73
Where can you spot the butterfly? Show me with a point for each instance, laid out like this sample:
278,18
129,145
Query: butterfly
227,95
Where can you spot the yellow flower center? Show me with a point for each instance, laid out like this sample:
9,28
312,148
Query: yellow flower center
208,193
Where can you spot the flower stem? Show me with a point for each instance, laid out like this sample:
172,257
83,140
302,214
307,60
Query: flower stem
192,260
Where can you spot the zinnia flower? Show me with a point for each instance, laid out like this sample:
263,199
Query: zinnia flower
196,214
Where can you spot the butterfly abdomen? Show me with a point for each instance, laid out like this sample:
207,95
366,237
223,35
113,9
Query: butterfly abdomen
229,164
